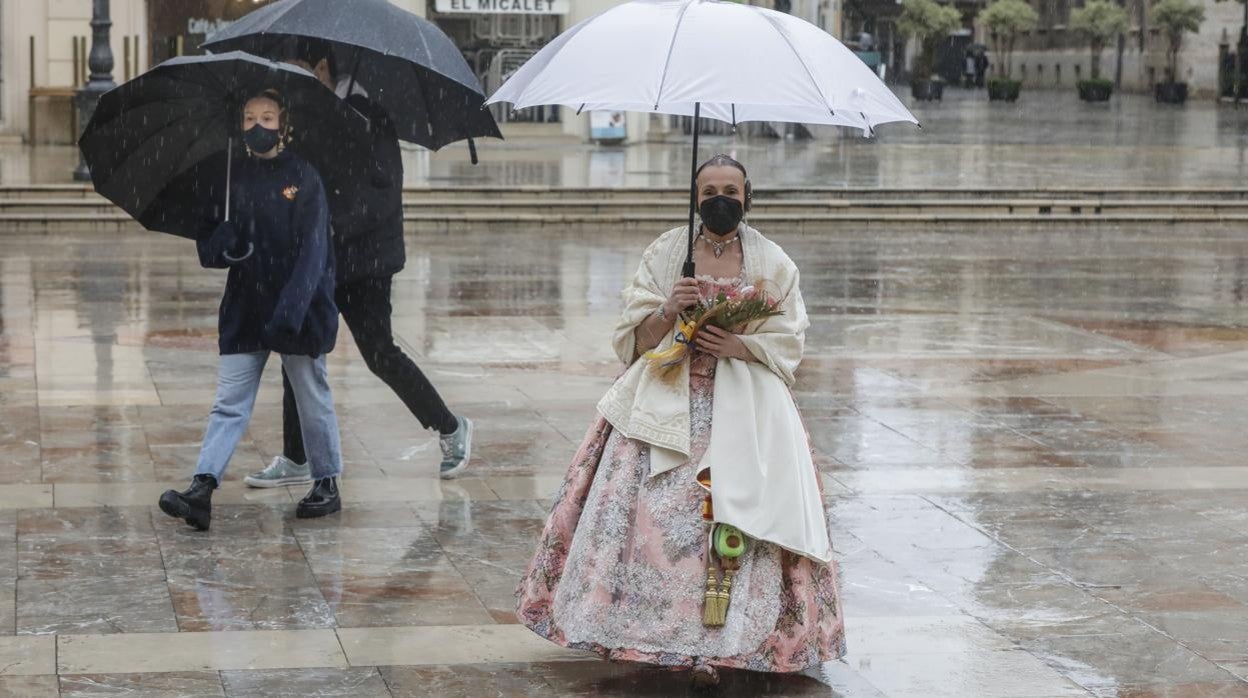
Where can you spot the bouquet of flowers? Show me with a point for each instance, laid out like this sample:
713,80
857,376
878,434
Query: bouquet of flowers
730,310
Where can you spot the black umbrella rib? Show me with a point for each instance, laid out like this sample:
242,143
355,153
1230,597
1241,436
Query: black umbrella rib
425,42
164,128
225,90
181,166
190,147
424,97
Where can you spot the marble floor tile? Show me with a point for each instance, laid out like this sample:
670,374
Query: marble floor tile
27,655
918,635
1030,442
146,494
370,490
41,686
137,653
297,683
453,681
179,684
999,673
540,487
454,645
1221,636
267,602
403,598
1104,661
25,496
1202,689
115,604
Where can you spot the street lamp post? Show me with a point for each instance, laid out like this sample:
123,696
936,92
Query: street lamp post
101,79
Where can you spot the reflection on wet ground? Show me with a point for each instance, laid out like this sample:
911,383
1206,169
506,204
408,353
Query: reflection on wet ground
1031,444
1048,139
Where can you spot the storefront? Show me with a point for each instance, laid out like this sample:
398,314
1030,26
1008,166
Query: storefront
498,36
178,27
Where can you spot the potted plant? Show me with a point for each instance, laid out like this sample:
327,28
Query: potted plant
928,22
1100,21
1175,18
1006,19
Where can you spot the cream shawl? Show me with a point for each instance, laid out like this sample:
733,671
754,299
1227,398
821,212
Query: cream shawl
763,479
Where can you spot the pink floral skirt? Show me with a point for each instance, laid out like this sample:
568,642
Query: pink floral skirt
620,568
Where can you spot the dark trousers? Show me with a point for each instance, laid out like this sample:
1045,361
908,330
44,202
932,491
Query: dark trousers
365,305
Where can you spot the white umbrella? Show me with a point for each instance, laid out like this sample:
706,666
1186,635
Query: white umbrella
723,60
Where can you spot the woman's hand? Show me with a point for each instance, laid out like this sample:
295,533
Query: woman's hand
722,344
684,294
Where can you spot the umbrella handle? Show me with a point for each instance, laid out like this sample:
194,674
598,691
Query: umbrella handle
688,270
355,66
229,165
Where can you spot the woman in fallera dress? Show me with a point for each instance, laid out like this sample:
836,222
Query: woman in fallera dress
626,566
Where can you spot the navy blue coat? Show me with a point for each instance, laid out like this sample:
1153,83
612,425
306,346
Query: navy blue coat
280,292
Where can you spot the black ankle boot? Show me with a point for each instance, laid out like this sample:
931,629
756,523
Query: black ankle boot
194,504
321,500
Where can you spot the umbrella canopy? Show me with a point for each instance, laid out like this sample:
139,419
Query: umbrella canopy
729,61
723,60
159,146
406,64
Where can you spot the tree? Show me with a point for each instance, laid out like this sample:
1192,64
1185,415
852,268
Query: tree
1100,21
1176,18
928,22
1006,19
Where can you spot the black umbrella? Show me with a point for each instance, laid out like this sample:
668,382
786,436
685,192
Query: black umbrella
161,145
407,65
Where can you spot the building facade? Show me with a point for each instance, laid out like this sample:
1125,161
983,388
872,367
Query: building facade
43,58
44,46
1056,56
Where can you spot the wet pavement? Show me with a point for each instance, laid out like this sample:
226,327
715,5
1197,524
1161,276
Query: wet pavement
1032,447
1049,139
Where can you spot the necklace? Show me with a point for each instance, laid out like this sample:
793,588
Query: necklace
719,247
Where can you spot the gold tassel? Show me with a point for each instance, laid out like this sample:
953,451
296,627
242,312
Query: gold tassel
712,611
724,595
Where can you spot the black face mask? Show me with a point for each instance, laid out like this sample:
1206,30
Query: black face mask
721,214
260,139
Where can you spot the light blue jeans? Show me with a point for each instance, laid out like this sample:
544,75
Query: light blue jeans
238,382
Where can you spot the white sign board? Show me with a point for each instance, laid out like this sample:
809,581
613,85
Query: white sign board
506,7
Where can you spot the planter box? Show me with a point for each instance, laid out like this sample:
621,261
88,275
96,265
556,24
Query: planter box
1004,90
1171,92
1095,90
927,90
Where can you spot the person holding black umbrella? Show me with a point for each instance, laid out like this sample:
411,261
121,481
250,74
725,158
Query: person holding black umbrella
368,244
279,297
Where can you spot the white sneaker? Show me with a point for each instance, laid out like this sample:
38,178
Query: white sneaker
280,473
